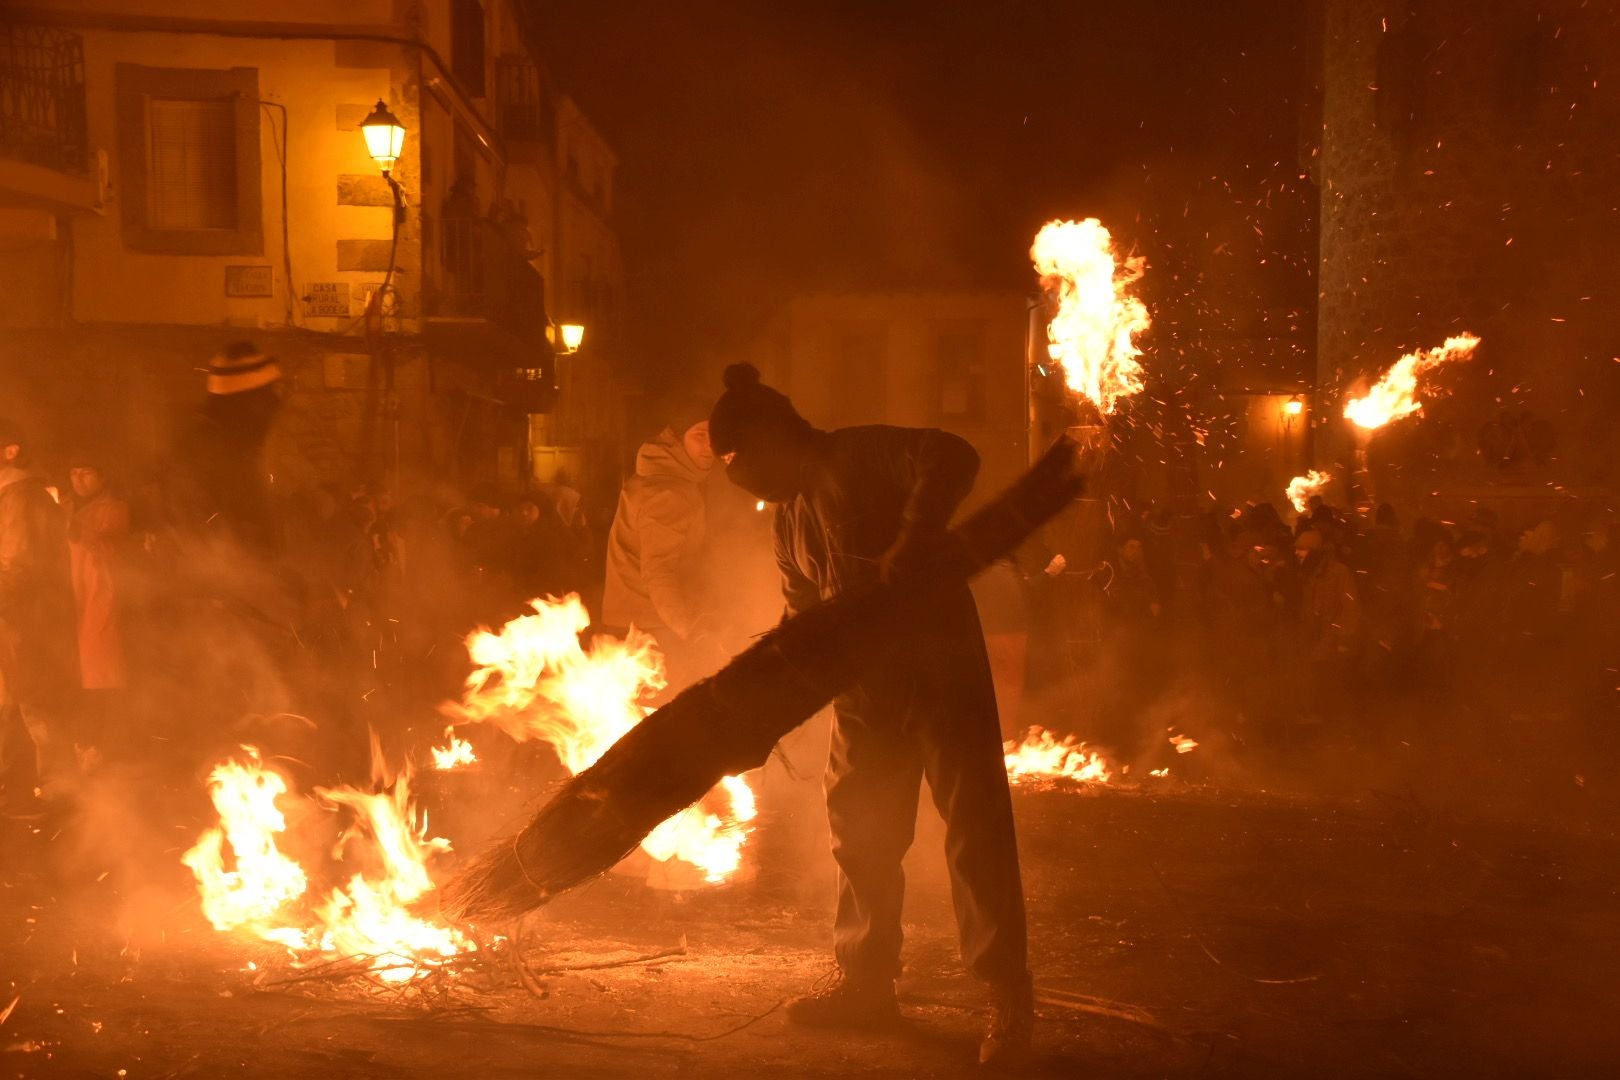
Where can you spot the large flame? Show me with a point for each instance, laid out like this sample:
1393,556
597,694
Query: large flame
1301,488
264,891
533,680
1093,333
1043,756
1395,395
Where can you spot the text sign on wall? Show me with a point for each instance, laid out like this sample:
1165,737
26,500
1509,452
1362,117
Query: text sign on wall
328,299
248,281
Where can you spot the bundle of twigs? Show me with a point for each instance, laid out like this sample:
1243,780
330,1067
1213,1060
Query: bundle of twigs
728,723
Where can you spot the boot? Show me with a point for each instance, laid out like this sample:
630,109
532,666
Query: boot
846,1003
1012,1023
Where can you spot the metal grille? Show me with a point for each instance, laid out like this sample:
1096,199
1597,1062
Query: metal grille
42,107
521,100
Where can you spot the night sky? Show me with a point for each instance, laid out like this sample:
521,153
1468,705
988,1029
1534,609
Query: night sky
772,149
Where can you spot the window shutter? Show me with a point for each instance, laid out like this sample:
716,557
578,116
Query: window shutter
191,164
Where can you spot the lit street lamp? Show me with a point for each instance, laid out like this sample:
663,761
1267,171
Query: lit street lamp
385,141
567,335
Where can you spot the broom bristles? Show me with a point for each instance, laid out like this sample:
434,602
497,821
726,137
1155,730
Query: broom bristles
728,723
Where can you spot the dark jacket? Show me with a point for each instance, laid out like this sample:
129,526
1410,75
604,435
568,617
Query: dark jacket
38,657
654,573
867,486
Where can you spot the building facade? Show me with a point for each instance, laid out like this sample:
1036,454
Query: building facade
924,359
175,176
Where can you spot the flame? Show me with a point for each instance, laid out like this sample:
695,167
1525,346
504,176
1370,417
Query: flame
533,680
1042,756
1183,744
1092,334
265,894
455,753
1301,488
265,880
1395,395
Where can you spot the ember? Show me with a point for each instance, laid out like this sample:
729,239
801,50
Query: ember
1043,756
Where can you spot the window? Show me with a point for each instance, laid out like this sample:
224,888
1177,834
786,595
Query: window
190,164
188,158
467,45
959,370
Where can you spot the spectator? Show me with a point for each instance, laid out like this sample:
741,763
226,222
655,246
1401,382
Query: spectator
38,665
654,563
98,529
1330,620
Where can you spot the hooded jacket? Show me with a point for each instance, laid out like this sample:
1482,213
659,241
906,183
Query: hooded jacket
38,658
654,573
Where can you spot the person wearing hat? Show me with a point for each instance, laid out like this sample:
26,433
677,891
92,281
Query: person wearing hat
225,488
855,507
38,665
654,572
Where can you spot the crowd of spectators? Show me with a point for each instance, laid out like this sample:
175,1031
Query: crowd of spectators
1336,618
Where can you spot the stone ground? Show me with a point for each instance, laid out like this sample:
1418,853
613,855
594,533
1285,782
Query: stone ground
1178,930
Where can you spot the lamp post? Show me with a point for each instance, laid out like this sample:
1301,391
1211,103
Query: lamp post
385,141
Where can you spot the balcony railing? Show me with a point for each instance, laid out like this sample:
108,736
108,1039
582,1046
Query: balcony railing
485,276
524,110
42,105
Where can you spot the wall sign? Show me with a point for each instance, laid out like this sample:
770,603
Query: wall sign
327,299
248,281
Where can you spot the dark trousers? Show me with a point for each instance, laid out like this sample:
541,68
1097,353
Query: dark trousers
934,718
28,751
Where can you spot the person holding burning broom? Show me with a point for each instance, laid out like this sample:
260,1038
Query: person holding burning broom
856,507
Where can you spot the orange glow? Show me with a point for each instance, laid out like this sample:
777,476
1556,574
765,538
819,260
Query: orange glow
264,891
1301,488
1043,756
1293,407
1093,333
1395,395
533,680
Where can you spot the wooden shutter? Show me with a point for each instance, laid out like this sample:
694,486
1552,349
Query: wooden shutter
191,164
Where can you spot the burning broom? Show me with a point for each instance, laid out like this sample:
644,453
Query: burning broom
728,723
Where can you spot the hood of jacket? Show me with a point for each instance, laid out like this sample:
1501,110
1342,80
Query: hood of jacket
666,457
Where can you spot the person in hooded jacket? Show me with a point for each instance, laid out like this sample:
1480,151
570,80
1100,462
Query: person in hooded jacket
654,573
855,507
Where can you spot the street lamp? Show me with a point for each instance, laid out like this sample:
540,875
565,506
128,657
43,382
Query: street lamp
567,335
1293,406
385,137
385,141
